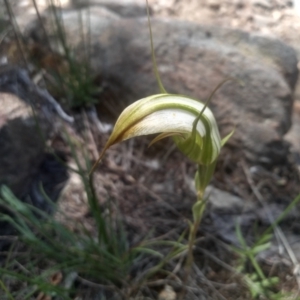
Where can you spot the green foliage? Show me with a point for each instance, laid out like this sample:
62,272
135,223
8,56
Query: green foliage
259,285
71,79
257,282
106,257
76,85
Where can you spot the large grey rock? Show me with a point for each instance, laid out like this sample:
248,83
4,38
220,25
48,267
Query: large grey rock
27,120
21,148
225,210
192,60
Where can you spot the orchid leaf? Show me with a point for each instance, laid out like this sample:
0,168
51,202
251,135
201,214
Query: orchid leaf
227,137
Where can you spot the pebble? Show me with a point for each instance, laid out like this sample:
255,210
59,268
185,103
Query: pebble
167,293
214,4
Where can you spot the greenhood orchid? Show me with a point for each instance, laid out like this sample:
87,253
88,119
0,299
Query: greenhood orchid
190,122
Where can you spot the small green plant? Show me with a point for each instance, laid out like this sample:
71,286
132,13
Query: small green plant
258,283
75,85
106,258
70,79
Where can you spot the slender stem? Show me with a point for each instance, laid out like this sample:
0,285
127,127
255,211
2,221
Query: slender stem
200,206
198,210
17,32
2,285
257,267
37,11
154,63
192,237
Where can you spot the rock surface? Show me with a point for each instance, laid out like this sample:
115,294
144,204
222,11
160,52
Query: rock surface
27,119
21,148
293,136
25,125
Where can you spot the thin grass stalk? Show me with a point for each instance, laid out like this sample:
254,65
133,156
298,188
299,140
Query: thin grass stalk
256,266
77,84
177,249
202,179
83,41
33,281
191,242
48,245
60,28
94,206
282,215
61,80
2,285
91,195
30,293
81,257
89,37
42,24
17,32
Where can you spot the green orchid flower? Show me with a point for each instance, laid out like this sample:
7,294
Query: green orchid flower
191,124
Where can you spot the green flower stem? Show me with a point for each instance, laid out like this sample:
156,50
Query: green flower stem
201,182
192,237
200,206
198,209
